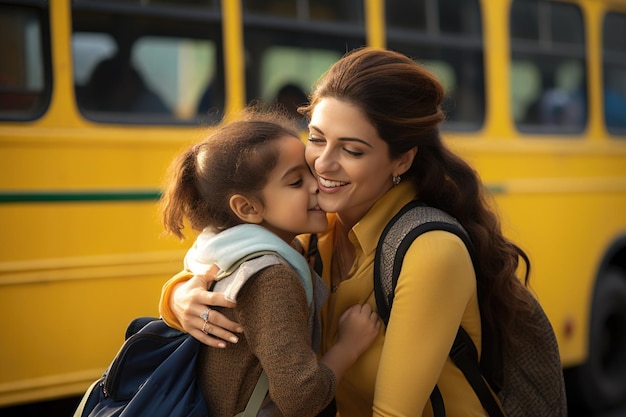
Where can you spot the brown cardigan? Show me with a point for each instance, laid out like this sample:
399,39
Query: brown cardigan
273,310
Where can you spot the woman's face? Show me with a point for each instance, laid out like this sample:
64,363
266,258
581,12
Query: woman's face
349,159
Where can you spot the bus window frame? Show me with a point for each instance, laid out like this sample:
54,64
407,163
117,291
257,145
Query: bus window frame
179,14
304,34
537,51
42,12
438,44
613,59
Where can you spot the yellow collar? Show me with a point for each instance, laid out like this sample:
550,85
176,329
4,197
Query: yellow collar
367,231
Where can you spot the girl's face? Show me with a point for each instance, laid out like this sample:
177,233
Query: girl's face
349,159
290,196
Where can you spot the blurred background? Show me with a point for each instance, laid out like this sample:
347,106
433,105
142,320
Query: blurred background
97,96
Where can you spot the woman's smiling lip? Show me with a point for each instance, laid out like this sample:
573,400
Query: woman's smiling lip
327,184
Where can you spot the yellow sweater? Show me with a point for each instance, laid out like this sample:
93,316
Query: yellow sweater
436,292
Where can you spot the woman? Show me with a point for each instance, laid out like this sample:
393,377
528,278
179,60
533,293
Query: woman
374,145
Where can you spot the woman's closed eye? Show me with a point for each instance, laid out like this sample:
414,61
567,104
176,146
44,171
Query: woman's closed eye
316,140
319,141
352,153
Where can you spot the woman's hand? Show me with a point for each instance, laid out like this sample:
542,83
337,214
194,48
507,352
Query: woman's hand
190,302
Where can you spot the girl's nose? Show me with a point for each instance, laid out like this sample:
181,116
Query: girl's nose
313,187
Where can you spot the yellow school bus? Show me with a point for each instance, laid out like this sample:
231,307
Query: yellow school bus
97,96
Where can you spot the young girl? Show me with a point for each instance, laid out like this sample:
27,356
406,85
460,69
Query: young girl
249,189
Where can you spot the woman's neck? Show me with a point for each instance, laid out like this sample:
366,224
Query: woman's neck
344,224
352,215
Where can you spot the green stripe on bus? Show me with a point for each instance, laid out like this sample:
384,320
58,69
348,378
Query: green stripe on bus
91,196
496,188
77,196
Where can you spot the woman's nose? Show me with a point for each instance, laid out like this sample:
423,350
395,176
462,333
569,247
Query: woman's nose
324,162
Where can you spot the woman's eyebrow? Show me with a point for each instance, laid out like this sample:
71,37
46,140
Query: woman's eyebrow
342,139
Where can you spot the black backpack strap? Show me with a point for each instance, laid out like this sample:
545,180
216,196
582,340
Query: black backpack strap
393,244
395,241
436,402
313,255
314,259
465,357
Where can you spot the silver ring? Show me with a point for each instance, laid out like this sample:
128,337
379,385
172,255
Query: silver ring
205,315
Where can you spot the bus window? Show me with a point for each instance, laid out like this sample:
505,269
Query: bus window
25,85
548,80
162,67
289,44
288,73
614,67
320,10
446,37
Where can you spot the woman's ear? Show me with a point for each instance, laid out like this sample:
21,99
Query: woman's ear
404,162
247,209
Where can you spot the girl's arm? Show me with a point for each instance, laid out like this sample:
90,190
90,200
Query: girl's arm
274,312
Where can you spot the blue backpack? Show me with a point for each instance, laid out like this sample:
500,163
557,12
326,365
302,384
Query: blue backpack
154,374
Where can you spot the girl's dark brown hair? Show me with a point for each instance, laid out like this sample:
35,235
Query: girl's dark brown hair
404,103
236,158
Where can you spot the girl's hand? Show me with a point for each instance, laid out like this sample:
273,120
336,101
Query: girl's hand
358,327
191,300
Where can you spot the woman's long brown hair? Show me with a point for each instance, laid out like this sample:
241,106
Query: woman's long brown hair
404,102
